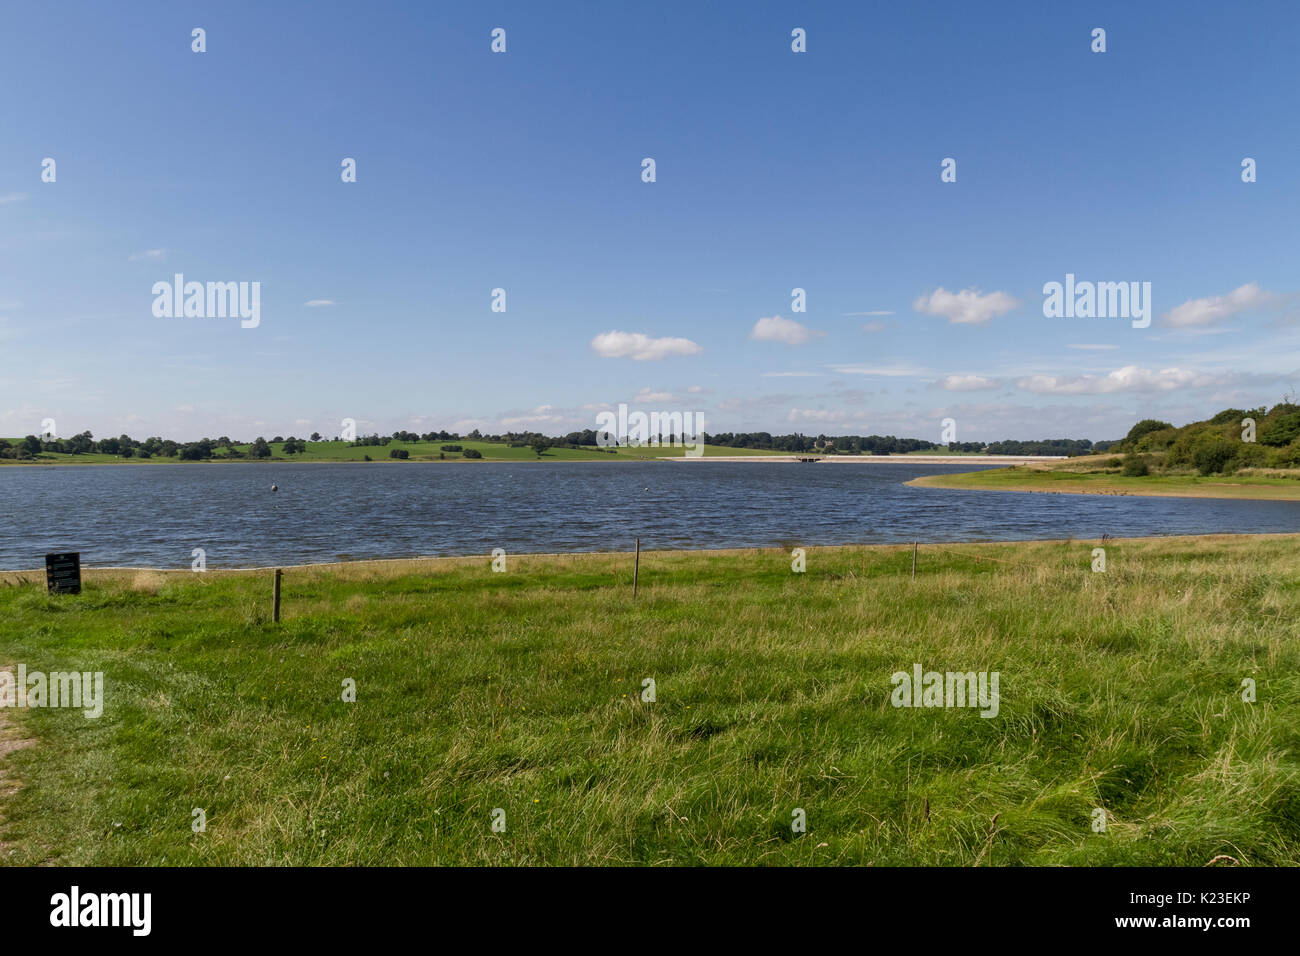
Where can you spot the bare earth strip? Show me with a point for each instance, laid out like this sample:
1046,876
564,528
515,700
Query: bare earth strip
878,459
10,740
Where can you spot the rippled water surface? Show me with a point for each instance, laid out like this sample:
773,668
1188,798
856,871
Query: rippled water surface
154,515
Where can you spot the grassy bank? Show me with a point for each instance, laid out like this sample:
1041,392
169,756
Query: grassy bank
1074,478
1120,691
341,451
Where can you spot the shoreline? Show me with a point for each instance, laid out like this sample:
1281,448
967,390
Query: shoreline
407,565
1250,491
611,459
886,459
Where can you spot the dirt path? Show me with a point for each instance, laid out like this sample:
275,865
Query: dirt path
11,739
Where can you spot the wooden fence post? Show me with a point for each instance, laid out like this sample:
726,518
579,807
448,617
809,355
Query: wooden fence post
913,560
636,567
275,598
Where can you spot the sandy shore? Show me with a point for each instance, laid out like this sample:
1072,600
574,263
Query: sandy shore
885,459
1222,490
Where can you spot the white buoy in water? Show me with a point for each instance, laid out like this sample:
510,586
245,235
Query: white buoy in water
275,488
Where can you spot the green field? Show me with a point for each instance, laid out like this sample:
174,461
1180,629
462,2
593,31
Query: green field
1120,699
1069,478
324,451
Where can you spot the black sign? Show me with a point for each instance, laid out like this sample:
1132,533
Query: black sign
63,573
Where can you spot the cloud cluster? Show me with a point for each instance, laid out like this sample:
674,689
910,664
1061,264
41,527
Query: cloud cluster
967,307
1199,312
777,329
640,347
1130,378
969,383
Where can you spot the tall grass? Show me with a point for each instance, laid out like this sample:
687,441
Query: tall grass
1120,691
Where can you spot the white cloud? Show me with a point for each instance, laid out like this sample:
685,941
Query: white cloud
969,383
147,255
1185,333
967,307
640,347
873,327
792,375
886,371
874,312
647,395
777,329
313,303
1196,312
1127,379
817,415
12,197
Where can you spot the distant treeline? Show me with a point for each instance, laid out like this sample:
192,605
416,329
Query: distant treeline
127,447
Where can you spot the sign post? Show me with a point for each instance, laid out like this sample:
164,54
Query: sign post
63,572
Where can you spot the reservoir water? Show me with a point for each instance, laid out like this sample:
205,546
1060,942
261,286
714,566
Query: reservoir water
155,515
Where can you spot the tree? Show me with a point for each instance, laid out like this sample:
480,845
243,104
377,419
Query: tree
1211,453
540,445
1281,430
1135,466
196,450
399,453
1143,427
315,436
259,449
80,444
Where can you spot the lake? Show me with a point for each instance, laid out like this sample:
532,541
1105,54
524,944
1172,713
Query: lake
155,515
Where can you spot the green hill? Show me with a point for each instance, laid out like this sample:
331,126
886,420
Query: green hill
342,451
1239,453
1233,440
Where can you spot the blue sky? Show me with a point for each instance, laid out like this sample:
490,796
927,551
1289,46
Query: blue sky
522,171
